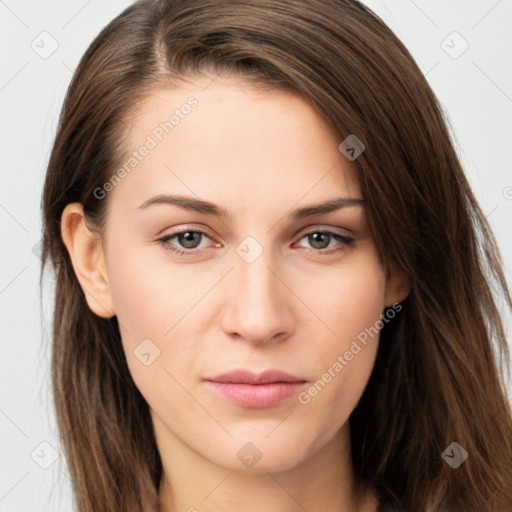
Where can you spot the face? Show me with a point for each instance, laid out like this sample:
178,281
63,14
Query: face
242,310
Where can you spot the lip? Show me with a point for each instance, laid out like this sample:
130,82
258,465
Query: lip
258,391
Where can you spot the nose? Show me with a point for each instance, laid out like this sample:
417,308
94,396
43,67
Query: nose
258,304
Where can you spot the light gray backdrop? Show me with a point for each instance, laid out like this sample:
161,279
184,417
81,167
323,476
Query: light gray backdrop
464,48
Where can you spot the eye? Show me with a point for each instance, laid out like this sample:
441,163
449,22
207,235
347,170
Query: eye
189,242
321,239
186,242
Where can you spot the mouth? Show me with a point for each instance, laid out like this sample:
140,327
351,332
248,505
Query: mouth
257,391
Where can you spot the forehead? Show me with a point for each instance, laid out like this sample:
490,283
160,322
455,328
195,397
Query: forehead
228,141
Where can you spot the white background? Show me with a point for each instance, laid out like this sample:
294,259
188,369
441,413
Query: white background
475,89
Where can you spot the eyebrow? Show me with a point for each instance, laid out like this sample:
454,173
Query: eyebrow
208,208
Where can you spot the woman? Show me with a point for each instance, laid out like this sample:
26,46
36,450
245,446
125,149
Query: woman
273,281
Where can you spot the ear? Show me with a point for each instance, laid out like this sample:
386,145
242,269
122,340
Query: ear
397,287
86,253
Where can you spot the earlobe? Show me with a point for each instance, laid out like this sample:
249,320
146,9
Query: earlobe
87,257
397,287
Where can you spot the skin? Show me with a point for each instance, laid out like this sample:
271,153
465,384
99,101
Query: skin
296,307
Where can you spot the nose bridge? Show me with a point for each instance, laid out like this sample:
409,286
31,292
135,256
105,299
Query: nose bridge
256,282
257,307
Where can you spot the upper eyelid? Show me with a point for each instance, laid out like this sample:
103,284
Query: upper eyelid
303,231
321,228
186,230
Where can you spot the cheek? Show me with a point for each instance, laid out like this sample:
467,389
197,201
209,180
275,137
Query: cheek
147,293
158,312
143,306
346,303
345,354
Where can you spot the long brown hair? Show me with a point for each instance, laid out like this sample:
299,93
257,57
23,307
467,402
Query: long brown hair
439,374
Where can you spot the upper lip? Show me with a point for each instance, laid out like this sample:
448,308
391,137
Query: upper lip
248,377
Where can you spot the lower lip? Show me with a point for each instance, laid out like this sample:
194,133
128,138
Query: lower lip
257,396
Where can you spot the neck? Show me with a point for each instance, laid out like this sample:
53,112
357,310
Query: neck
323,482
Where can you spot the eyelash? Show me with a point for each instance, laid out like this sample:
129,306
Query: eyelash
164,241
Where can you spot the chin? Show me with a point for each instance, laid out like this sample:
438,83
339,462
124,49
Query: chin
259,454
